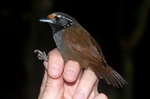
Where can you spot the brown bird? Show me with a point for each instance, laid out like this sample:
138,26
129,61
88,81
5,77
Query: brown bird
75,43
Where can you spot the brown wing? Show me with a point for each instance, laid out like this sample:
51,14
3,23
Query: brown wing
85,46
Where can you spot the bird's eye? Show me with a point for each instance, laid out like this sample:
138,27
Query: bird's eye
56,18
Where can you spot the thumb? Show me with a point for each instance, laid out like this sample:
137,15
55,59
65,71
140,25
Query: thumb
52,85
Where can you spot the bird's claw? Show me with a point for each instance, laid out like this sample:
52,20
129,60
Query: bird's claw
41,55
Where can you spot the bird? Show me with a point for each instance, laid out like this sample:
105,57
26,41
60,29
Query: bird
75,43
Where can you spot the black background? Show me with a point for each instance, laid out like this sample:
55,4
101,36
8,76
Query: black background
100,18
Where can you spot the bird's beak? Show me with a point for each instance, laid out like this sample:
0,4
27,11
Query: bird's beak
46,20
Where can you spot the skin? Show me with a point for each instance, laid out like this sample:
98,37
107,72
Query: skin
67,81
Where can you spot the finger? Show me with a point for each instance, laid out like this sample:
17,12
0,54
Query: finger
56,64
45,63
71,71
71,87
52,85
86,85
101,96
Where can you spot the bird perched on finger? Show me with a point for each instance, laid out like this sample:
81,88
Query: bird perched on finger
75,43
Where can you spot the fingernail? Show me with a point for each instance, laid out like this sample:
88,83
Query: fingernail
55,70
79,95
70,72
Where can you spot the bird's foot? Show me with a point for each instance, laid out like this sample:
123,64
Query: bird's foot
41,55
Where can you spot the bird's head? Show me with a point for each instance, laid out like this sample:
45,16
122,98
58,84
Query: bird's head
59,21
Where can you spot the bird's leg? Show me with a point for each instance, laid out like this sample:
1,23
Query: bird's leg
41,55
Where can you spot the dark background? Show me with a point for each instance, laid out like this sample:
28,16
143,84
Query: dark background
121,28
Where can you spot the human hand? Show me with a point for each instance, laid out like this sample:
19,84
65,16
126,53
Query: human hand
67,81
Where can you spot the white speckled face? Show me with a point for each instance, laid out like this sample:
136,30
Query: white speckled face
60,16
63,20
59,21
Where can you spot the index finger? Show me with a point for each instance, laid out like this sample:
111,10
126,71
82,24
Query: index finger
55,64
